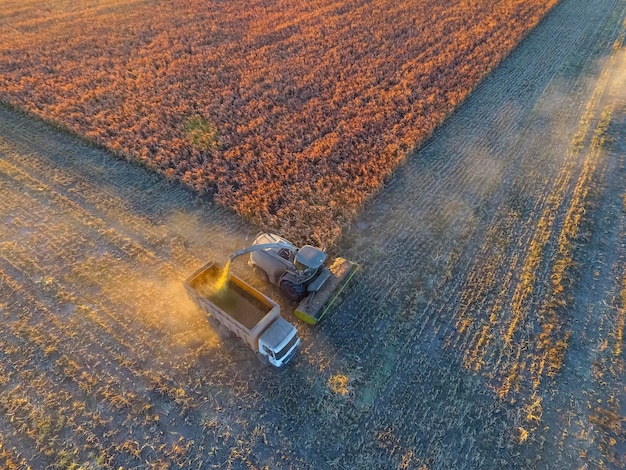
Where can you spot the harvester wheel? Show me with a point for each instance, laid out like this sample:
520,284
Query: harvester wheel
292,291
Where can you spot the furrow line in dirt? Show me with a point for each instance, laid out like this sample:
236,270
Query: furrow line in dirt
551,343
98,378
18,280
91,221
7,367
617,336
620,321
589,412
103,203
72,333
485,277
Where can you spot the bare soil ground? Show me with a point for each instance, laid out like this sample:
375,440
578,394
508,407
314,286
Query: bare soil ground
484,329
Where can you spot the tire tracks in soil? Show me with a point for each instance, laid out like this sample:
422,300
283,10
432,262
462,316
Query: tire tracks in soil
442,234
588,412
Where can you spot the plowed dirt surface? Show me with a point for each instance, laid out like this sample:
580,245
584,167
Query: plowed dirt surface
484,329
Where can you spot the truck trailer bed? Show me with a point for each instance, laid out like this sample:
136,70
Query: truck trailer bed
234,298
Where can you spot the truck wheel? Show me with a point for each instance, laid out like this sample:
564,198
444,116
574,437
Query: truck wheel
292,291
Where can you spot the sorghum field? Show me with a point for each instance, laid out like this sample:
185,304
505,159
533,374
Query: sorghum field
292,113
485,328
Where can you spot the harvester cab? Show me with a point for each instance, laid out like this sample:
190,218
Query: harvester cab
300,273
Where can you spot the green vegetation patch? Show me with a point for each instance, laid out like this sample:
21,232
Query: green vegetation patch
201,133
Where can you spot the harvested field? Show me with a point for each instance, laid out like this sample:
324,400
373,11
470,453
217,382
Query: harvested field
291,113
485,328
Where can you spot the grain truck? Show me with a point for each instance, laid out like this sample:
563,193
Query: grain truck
244,311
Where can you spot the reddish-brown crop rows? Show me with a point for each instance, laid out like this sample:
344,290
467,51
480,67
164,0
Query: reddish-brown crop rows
292,113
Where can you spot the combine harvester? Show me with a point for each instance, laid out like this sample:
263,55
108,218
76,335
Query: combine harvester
300,273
